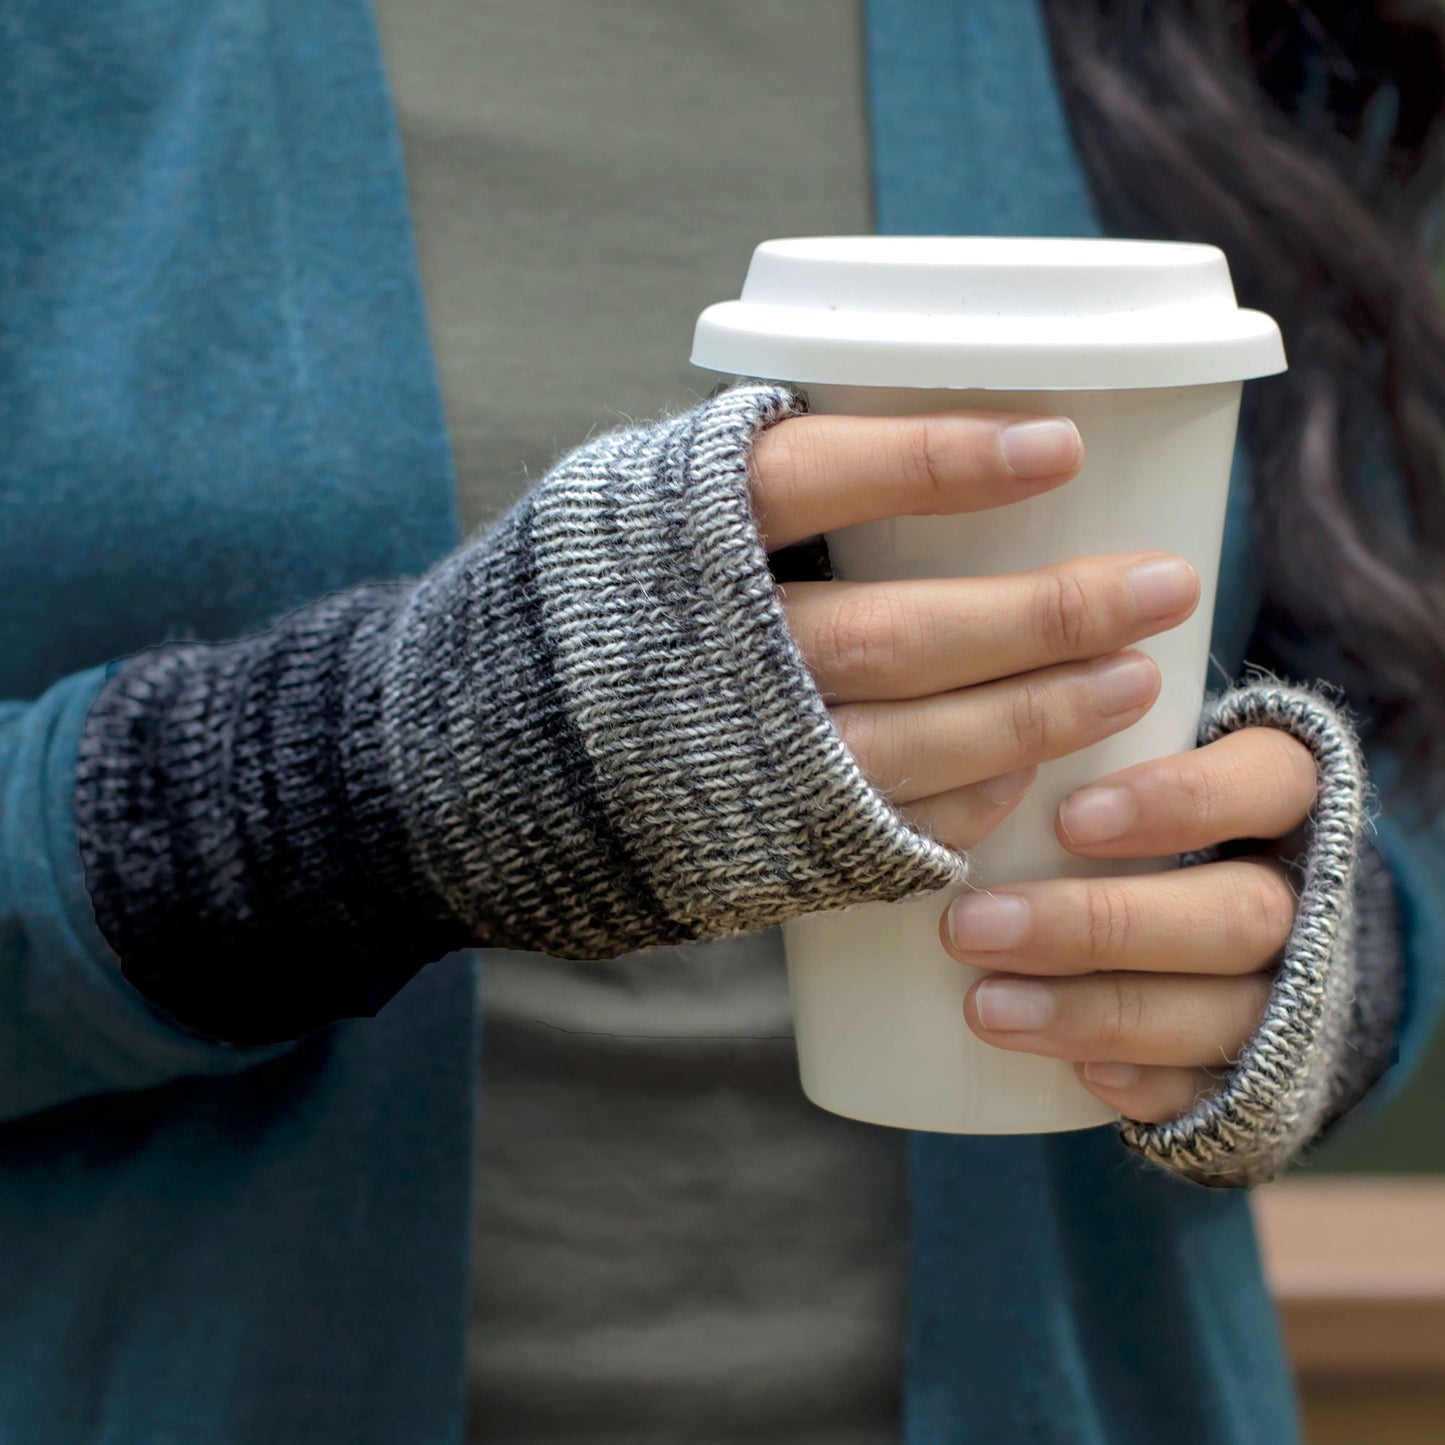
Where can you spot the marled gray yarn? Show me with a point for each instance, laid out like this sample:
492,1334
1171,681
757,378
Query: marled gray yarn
588,732
585,732
601,731
1330,1020
1379,970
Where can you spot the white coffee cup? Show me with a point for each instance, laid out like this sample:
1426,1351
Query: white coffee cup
1145,347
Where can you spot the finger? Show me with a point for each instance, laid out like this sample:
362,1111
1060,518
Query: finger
814,473
1148,1096
911,750
1232,917
1255,783
962,817
1183,1021
895,640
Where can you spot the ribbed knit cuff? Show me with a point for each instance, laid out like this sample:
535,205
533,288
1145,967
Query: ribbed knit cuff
1329,1028
587,732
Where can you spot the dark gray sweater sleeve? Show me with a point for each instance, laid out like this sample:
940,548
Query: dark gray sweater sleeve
586,732
1330,1027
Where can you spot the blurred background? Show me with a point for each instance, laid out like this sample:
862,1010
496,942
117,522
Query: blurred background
1354,1243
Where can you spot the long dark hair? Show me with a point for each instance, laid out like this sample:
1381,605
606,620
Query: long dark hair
1307,139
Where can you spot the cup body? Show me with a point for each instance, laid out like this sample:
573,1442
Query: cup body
877,1003
1144,345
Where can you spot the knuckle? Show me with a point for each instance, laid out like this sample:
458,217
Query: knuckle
1198,792
1272,765
1255,1005
861,729
1298,774
1064,614
953,822
1107,923
857,727
867,635
1029,717
965,835
1123,1012
927,464
789,452
1266,907
782,460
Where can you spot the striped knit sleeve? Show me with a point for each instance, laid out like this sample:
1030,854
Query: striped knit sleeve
586,732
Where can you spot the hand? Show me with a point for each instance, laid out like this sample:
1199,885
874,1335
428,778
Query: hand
950,692
1154,984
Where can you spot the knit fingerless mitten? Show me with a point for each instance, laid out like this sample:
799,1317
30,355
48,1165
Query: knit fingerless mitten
1329,1029
587,732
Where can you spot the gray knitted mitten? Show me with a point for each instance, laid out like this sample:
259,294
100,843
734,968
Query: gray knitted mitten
1330,1025
587,732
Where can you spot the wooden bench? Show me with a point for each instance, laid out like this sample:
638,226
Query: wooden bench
1357,1264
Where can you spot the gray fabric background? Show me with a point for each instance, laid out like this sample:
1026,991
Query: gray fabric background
670,1242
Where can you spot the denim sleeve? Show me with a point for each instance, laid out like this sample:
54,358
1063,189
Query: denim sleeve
70,1025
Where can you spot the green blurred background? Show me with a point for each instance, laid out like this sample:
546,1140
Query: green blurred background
1407,1136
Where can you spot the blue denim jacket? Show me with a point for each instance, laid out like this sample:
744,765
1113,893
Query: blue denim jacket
217,401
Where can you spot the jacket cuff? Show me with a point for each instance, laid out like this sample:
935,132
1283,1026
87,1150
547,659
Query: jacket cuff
601,731
1329,1027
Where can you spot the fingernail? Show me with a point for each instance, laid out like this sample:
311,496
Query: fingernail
1007,786
1163,586
1112,1076
1123,683
988,920
1094,815
1013,1005
1033,449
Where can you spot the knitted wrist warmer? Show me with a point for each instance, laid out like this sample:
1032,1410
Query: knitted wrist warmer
1372,1035
587,732
1330,1025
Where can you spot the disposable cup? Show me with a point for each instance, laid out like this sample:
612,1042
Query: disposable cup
1145,347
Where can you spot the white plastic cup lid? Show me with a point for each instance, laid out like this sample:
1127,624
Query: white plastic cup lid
1018,313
